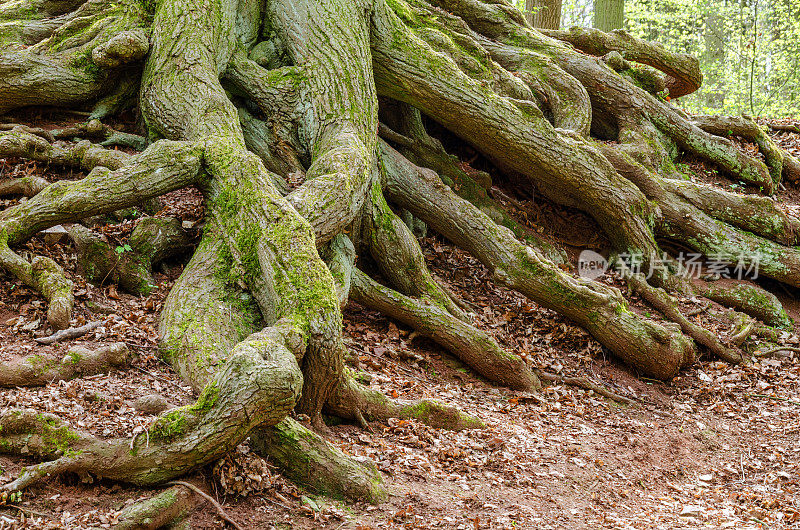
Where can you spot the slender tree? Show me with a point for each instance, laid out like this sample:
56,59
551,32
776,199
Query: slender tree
609,14
545,14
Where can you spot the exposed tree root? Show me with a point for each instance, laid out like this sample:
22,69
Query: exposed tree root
307,458
168,509
399,257
209,498
21,143
664,303
38,370
153,240
600,310
258,386
351,399
582,382
474,347
108,136
751,300
26,186
683,71
45,276
779,161
288,159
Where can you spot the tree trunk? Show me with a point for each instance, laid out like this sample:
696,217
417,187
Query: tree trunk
714,39
608,14
545,14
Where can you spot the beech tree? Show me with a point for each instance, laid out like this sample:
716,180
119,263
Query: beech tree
609,14
303,124
544,14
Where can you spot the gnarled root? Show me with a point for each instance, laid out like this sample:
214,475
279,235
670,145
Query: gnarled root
751,300
474,347
45,276
663,302
288,160
352,400
168,509
600,310
306,458
780,162
153,240
25,186
259,385
108,136
38,370
399,257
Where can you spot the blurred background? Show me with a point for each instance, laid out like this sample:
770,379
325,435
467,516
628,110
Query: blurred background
749,50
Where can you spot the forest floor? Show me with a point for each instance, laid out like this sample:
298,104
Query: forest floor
716,447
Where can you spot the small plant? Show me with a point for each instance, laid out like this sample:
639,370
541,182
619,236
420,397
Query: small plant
6,497
121,249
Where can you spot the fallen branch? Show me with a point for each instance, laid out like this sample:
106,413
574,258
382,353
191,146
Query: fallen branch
210,499
586,384
784,127
775,398
71,333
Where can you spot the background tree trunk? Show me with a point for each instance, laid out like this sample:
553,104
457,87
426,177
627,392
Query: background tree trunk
609,14
714,55
545,14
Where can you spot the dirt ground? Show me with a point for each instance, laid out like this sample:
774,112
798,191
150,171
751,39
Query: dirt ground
716,447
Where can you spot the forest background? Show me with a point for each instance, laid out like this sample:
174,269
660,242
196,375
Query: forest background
749,50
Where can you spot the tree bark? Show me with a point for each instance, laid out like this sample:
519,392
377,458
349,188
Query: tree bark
545,14
609,14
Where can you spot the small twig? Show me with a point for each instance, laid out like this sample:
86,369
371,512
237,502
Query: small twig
276,503
164,379
775,398
210,499
584,383
136,436
775,350
742,335
71,333
29,511
699,310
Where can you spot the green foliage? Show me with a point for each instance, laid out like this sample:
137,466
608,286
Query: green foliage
121,249
749,50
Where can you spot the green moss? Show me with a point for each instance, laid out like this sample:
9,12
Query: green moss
645,78
57,438
84,62
73,358
170,425
41,363
176,422
207,398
